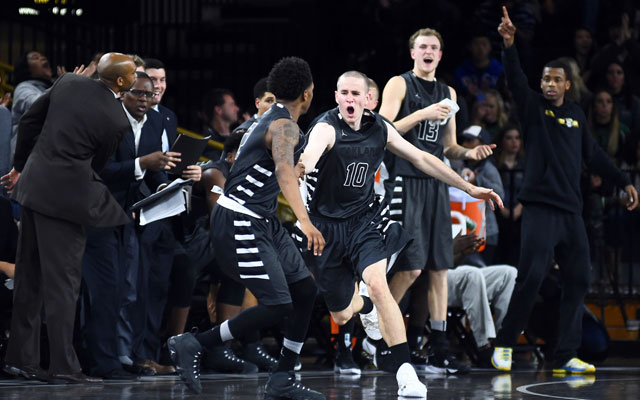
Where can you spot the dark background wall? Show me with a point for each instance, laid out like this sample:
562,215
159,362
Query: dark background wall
232,43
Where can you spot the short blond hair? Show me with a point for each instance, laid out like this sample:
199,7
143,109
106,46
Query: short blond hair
426,32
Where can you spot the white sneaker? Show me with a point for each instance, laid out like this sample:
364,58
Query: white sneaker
575,366
409,384
370,320
501,384
501,358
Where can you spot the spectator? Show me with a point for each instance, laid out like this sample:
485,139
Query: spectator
31,77
510,161
480,72
483,173
264,99
578,92
605,125
220,112
623,50
627,104
477,289
490,112
583,51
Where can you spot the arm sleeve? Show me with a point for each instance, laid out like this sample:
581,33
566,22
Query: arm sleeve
118,171
598,161
518,83
154,179
138,172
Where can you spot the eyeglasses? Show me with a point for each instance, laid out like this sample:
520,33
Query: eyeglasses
141,93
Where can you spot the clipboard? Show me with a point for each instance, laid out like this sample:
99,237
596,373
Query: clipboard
172,200
190,149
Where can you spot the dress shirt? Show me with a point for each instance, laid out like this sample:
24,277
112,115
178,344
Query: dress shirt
136,127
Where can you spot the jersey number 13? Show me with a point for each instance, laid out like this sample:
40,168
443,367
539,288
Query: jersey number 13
428,131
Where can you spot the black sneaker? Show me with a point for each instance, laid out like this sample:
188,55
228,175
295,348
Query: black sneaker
419,360
185,352
344,364
443,362
283,385
256,354
222,359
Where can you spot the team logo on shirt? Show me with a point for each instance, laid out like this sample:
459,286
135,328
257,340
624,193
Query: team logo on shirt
568,122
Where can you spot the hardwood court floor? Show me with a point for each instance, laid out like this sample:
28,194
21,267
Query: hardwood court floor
608,383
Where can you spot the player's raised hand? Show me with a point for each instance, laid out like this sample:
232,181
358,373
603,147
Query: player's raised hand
506,28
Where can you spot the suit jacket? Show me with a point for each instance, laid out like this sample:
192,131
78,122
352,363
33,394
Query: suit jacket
169,123
119,173
67,135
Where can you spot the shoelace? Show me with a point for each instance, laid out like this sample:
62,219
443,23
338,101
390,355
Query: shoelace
300,386
229,355
196,365
264,354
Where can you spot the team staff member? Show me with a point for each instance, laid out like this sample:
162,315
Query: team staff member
64,139
558,143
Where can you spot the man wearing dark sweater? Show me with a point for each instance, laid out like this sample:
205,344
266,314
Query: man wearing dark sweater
557,144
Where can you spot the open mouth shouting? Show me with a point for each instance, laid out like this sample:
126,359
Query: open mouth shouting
428,61
351,112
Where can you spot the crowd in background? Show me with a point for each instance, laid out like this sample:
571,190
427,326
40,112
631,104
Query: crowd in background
179,290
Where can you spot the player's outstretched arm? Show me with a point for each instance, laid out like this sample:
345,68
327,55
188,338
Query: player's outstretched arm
434,167
284,135
321,138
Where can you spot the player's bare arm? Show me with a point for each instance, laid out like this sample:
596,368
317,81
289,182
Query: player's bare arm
284,135
433,166
453,150
392,97
321,140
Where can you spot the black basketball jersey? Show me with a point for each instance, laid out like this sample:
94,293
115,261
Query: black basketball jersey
341,186
427,135
252,181
221,165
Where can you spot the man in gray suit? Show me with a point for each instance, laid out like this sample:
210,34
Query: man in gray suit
66,136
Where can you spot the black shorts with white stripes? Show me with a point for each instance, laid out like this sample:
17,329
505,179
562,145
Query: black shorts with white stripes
352,245
259,252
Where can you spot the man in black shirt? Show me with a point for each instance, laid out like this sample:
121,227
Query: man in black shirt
557,143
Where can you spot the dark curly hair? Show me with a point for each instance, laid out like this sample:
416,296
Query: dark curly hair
232,143
289,78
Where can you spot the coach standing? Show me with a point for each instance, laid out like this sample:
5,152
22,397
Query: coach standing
65,137
557,143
